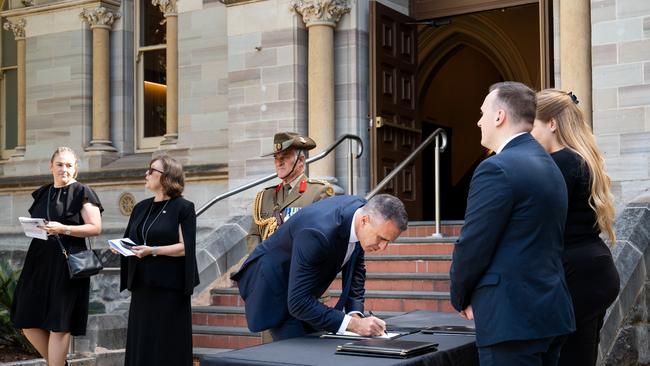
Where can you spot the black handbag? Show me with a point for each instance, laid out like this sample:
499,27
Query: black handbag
82,264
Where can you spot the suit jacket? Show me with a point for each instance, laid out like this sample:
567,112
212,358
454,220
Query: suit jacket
315,190
507,260
287,273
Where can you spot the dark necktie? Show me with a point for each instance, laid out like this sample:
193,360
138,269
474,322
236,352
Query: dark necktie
286,189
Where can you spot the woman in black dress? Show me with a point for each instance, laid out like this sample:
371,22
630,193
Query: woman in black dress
590,272
163,274
49,306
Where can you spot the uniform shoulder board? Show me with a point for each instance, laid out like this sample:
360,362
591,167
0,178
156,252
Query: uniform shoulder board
328,187
318,181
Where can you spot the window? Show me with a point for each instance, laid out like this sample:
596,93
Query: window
151,68
8,93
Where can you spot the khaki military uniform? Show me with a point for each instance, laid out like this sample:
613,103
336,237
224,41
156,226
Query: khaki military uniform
279,203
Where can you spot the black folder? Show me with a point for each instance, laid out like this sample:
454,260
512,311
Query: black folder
449,329
392,348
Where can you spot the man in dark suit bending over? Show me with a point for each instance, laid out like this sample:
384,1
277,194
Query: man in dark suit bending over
507,272
285,275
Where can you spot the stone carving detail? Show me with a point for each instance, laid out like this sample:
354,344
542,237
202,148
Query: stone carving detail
167,7
126,203
27,2
99,16
325,12
18,28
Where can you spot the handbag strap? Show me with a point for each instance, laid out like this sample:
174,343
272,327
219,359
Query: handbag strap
63,250
56,236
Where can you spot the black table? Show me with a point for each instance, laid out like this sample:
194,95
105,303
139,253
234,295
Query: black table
453,349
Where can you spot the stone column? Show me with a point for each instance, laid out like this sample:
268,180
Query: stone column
168,8
320,17
100,21
575,51
18,29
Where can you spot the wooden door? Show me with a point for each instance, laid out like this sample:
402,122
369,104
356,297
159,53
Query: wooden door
394,129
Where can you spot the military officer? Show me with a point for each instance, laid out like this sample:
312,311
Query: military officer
275,204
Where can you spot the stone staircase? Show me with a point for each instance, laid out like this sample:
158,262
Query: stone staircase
411,274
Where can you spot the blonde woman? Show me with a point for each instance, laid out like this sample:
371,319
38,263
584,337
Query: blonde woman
49,306
590,272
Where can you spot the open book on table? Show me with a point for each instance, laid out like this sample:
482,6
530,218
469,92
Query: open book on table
352,335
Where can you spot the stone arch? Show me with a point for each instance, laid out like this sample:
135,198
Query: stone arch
437,45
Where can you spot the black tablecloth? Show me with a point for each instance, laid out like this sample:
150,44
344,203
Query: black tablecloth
453,349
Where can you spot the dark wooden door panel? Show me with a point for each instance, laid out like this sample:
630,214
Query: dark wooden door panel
395,131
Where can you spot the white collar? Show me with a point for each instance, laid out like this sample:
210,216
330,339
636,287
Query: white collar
508,140
353,232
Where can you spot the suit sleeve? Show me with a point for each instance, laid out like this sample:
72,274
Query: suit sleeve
357,291
489,206
124,261
310,252
187,222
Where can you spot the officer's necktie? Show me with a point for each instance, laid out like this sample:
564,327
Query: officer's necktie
286,189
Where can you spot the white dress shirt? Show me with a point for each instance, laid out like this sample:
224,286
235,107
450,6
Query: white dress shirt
508,140
351,244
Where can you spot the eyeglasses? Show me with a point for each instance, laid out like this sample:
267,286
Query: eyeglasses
151,170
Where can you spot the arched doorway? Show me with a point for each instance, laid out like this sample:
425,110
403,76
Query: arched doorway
457,64
425,75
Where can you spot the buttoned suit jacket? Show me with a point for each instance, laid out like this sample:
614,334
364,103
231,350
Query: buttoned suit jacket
287,273
507,260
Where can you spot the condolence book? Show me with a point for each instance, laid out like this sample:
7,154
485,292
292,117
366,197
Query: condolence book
392,348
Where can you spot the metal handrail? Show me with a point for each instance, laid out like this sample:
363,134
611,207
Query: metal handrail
434,136
321,155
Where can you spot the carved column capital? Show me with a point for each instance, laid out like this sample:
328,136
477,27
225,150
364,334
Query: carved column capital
321,12
167,7
18,28
99,17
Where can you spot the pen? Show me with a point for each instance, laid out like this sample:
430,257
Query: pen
371,314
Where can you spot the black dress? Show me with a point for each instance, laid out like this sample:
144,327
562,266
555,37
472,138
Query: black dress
45,296
590,271
160,315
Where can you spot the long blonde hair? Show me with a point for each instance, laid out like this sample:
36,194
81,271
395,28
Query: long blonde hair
574,133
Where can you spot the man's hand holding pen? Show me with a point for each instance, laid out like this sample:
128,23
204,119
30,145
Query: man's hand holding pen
368,326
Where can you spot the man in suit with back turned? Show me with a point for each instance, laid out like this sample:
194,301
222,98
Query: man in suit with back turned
506,272
285,275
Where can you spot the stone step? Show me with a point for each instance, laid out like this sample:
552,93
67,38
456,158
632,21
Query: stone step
227,297
402,300
416,246
226,315
375,300
402,281
199,352
207,336
427,228
409,263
